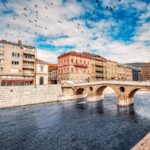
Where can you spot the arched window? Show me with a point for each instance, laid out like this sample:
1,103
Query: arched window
41,80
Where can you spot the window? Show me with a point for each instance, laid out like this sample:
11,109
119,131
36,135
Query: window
41,68
71,70
1,53
15,55
16,47
1,69
1,45
1,61
71,60
28,56
15,62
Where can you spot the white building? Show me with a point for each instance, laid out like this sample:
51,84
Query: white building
41,72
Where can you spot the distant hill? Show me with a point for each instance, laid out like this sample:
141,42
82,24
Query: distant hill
137,64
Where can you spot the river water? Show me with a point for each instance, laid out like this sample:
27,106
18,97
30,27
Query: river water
75,126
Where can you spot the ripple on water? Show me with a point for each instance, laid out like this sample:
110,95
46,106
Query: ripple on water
75,126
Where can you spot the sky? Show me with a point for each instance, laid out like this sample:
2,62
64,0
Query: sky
115,29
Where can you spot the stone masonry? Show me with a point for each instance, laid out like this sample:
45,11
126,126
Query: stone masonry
144,144
25,95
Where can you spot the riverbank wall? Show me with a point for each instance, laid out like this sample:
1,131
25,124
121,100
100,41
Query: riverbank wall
13,96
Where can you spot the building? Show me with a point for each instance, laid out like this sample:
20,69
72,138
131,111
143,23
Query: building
124,72
98,66
136,64
111,70
145,71
81,67
53,73
74,66
41,72
136,73
17,63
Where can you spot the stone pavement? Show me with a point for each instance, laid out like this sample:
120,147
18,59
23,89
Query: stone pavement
144,144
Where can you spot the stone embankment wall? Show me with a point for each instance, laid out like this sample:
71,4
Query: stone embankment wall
25,95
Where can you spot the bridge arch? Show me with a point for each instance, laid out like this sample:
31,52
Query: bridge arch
80,91
132,92
100,90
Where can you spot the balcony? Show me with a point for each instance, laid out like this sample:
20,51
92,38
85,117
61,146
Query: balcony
29,59
99,75
28,67
28,74
99,64
31,52
81,65
99,69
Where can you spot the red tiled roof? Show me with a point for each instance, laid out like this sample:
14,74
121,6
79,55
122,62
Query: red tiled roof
84,54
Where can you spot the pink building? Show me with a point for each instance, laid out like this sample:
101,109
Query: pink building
74,66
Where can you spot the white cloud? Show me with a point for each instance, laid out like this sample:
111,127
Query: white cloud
53,18
47,55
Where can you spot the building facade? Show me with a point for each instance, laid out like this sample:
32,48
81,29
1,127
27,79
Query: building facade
124,72
53,73
136,73
74,66
97,66
17,63
86,67
145,71
41,72
111,70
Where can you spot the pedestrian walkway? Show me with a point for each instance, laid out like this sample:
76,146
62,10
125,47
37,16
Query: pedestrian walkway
144,144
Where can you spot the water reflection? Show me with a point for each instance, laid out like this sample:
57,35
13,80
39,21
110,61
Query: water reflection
81,103
126,110
100,107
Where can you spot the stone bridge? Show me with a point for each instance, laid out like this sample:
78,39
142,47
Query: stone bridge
124,90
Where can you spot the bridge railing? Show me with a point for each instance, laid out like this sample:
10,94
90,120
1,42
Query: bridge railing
139,83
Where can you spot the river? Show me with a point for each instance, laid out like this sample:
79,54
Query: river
71,125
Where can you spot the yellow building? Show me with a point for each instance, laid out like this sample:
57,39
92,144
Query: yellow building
111,70
124,72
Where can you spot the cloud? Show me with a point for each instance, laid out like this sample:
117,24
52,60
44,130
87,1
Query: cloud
47,55
55,27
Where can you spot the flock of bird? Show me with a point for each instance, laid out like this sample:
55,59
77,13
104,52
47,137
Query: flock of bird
35,22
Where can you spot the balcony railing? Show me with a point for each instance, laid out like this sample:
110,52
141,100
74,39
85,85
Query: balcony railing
99,69
28,67
81,65
29,59
99,75
97,64
32,52
28,73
